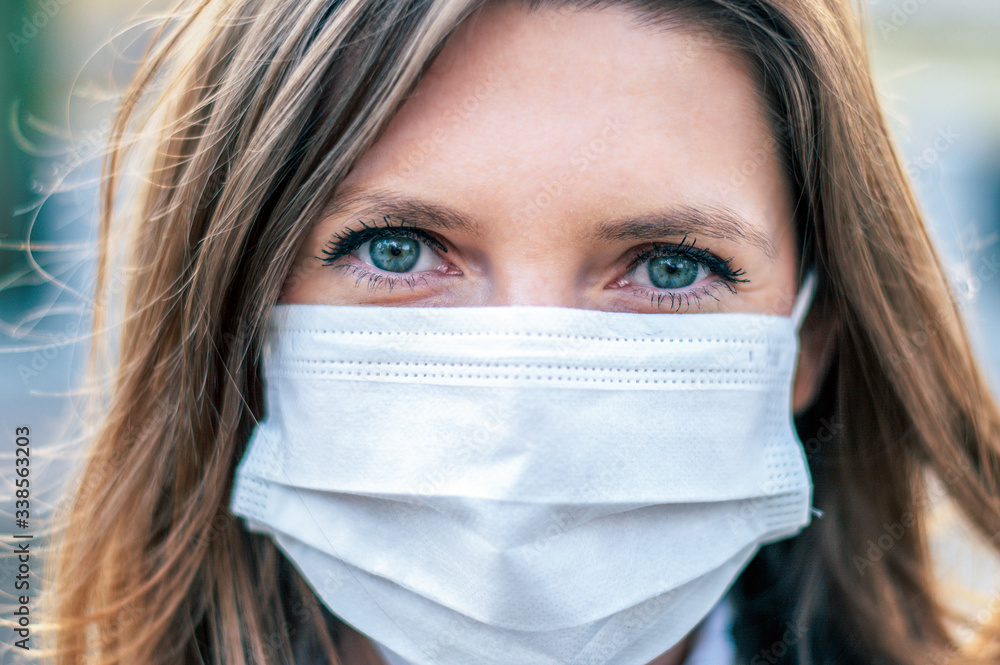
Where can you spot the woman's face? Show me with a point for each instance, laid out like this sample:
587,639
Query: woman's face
572,159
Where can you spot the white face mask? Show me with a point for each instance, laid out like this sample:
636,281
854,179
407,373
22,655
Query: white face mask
524,485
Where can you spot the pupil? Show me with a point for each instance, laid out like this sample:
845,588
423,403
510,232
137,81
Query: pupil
394,253
672,272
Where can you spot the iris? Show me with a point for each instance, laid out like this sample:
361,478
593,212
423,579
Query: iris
672,272
394,253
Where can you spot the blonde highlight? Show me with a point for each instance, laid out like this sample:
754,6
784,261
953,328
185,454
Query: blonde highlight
250,113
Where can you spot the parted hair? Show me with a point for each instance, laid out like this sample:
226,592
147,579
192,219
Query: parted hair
244,117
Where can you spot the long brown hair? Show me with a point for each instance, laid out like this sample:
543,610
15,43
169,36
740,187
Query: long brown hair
252,111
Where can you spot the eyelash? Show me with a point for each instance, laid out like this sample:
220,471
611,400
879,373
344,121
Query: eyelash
348,240
728,274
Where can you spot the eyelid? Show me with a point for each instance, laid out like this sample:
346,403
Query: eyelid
721,267
348,239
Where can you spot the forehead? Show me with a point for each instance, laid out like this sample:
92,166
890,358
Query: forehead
609,113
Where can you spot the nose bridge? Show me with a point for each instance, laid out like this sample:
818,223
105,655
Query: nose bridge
546,276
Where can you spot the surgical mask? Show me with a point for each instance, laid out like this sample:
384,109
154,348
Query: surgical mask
524,485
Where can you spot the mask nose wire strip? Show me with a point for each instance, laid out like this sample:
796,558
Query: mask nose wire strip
804,299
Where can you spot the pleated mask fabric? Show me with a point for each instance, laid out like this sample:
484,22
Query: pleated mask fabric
524,485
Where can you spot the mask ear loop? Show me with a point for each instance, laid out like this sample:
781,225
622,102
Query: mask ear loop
804,299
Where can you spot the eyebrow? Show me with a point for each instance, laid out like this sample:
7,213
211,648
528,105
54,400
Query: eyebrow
424,214
714,221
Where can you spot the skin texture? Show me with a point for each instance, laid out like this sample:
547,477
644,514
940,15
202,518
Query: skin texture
541,129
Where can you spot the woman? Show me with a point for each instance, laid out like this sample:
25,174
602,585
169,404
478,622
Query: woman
679,165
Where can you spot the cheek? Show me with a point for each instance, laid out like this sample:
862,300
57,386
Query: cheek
296,284
305,278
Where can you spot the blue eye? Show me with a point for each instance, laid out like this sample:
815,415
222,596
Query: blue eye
677,277
672,267
674,272
671,276
394,253
392,248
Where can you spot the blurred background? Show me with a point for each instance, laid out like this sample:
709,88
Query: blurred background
937,67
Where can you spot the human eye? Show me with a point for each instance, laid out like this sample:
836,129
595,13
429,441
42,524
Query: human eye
676,277
386,255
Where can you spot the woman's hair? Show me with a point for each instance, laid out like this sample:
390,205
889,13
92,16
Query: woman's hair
250,112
